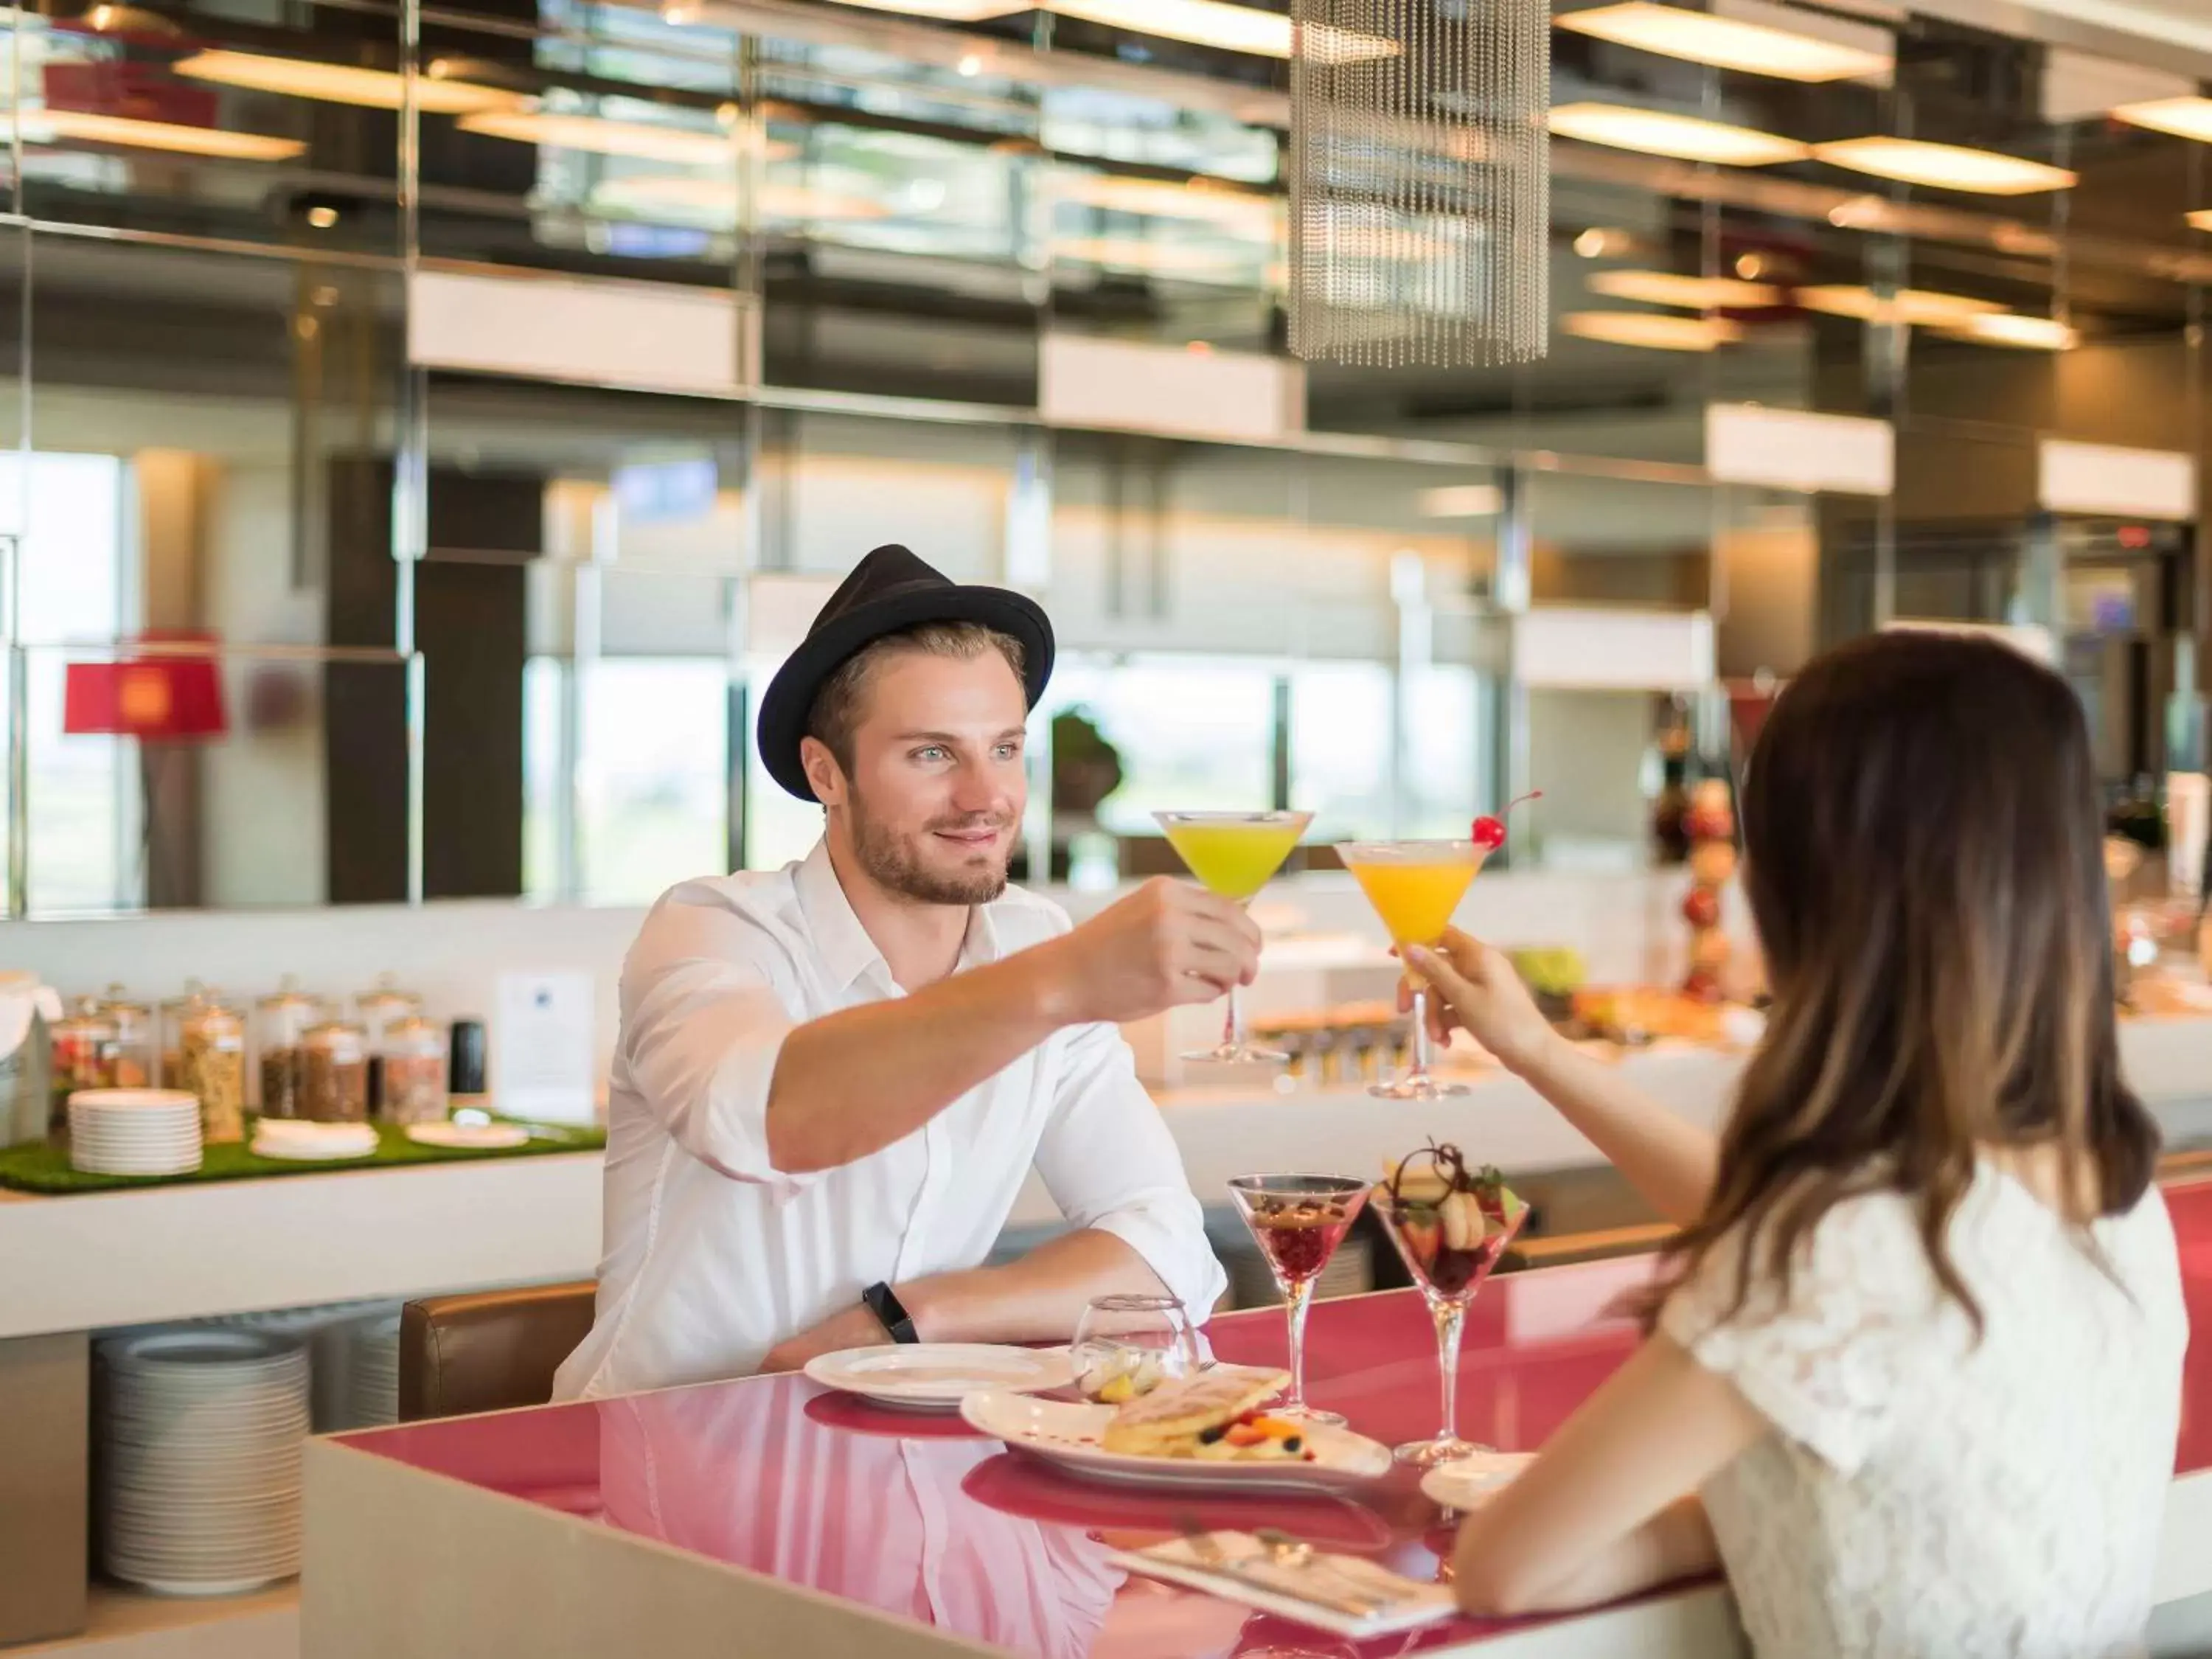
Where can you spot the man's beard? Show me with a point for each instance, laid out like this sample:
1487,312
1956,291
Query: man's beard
890,864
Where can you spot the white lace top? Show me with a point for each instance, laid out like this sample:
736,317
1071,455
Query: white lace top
1925,1498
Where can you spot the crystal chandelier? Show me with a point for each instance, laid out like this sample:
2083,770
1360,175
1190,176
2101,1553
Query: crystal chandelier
1420,195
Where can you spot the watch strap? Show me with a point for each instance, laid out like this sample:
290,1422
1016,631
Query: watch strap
891,1312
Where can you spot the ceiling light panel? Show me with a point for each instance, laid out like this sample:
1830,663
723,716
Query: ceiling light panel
948,11
2029,333
1908,305
1162,198
2184,117
1729,43
45,126
639,140
1653,330
1944,167
1232,28
1681,137
1666,288
342,83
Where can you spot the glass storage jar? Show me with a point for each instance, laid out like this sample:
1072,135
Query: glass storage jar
280,1021
211,1049
413,1072
134,1038
378,1009
334,1073
84,1058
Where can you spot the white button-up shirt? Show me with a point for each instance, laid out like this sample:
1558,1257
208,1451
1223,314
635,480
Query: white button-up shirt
713,1255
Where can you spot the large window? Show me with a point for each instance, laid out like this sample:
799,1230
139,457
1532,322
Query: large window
1191,734
84,850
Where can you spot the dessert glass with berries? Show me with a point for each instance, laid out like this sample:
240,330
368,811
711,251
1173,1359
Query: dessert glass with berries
1298,1221
1451,1224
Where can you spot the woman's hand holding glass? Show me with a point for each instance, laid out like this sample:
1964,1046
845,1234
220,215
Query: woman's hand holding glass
1477,990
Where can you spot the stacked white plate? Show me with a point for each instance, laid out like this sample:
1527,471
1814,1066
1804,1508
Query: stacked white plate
373,1373
299,1139
143,1132
199,1471
328,1329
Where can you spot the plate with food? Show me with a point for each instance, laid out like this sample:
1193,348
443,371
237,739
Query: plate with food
938,1375
1208,1431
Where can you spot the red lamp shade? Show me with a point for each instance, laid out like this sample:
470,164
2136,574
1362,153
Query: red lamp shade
168,698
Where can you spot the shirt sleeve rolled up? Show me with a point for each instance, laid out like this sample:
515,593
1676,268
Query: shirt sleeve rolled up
702,1026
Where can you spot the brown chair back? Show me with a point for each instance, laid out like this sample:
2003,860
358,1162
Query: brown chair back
488,1351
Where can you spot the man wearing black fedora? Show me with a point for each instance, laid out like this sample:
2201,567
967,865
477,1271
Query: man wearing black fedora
832,1079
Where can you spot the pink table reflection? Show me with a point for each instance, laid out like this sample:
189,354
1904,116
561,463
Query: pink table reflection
916,1517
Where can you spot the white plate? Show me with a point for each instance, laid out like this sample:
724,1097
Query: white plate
183,1147
169,1167
302,1153
82,1151
101,1129
481,1136
1068,1437
193,1586
1467,1482
937,1376
130,1100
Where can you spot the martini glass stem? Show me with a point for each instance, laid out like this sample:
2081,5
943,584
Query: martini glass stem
1449,1315
1232,1025
1419,1074
1298,1296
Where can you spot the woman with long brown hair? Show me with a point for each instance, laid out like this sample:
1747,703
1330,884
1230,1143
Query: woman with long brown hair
1919,1354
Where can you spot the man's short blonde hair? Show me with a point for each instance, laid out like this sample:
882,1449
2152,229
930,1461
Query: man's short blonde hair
837,706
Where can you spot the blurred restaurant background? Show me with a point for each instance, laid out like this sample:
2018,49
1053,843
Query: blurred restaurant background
466,407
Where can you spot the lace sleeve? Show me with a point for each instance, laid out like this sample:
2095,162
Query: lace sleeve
1831,1366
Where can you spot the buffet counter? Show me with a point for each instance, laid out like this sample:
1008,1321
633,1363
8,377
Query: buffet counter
92,1261
95,1261
770,1516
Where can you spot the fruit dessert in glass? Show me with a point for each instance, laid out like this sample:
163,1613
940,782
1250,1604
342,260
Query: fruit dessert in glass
1451,1224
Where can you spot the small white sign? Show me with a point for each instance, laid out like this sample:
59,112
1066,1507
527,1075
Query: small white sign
589,330
2136,483
780,608
542,1046
1129,386
1578,648
1795,449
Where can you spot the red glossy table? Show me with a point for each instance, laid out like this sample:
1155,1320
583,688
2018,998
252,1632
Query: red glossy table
916,1518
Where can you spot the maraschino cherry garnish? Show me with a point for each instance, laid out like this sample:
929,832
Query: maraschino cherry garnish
1490,829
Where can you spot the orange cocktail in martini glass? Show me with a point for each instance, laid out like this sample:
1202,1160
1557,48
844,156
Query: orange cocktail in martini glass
1414,887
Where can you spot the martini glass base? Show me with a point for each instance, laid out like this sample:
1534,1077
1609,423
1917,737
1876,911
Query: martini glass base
1416,1088
1239,1054
1306,1414
1443,1449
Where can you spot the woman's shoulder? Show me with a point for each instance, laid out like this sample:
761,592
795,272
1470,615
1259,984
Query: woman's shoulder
1825,1345
1862,1247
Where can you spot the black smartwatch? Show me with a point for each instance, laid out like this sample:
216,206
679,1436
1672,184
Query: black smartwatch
887,1308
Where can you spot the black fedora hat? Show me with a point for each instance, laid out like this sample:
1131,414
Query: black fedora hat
888,590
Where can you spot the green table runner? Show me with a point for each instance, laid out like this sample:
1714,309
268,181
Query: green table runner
35,1167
